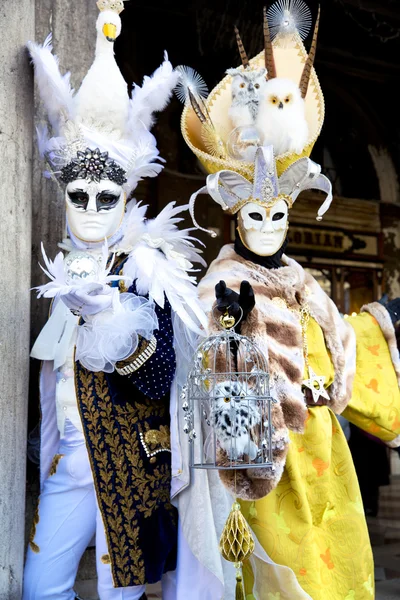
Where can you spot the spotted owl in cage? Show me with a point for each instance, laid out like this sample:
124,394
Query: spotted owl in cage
247,85
235,412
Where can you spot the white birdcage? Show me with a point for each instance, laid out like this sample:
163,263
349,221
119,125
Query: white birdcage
227,404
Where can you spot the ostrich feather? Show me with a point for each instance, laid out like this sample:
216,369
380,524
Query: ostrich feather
162,278
142,162
164,226
153,96
133,227
55,89
160,257
42,134
59,285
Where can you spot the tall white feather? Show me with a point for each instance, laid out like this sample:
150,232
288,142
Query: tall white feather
160,257
55,89
153,96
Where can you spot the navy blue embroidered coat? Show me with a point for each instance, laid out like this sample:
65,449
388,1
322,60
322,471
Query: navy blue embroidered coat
126,421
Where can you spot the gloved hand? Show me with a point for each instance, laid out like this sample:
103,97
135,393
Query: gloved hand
393,307
89,299
228,300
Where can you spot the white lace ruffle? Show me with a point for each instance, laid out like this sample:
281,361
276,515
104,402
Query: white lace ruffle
112,335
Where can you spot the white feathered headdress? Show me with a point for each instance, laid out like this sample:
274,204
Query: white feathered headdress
101,115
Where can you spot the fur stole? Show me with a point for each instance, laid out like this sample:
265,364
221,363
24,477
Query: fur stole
274,325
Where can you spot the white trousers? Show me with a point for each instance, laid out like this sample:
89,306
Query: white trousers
69,517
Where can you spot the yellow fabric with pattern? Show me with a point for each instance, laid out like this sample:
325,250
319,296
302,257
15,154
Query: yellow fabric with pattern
375,403
314,522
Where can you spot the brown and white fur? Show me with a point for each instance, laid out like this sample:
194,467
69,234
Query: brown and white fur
274,325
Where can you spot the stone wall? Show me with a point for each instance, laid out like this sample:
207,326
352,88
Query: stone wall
16,125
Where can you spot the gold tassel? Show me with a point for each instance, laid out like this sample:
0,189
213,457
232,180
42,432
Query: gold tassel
239,594
236,544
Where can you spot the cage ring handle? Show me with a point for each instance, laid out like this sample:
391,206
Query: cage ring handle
225,320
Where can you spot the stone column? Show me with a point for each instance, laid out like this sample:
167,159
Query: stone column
74,37
16,126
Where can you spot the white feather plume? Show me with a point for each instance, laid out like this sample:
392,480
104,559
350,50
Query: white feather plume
153,96
160,259
165,226
42,134
133,147
59,283
55,89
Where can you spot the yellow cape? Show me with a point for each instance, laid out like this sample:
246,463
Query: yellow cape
314,522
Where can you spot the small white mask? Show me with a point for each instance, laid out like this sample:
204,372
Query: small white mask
94,210
263,230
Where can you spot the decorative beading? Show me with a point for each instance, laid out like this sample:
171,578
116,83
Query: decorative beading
93,165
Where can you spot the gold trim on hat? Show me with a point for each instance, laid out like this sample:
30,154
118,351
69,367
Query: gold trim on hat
290,63
234,209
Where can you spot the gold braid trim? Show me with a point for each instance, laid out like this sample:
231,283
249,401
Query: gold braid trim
54,464
34,547
143,352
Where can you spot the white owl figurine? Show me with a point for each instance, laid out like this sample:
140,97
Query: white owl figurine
247,85
281,120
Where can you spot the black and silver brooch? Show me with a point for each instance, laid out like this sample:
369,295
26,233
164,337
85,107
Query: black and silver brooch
93,165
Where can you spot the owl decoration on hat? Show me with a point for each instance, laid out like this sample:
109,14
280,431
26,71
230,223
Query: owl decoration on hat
257,151
271,99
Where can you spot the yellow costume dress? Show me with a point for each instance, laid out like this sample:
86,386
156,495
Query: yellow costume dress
307,515
317,501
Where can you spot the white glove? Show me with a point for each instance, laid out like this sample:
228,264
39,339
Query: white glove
89,299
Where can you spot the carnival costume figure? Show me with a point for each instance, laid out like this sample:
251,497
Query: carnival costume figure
123,298
306,513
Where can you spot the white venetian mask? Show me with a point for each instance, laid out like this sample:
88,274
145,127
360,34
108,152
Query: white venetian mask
263,230
94,209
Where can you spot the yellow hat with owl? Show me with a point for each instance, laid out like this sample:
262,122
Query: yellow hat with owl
218,127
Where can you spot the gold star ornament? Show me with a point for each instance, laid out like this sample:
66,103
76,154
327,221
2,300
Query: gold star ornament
316,384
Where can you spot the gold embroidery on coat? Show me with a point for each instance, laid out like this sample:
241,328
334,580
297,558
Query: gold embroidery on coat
54,464
114,453
122,538
158,437
155,441
34,547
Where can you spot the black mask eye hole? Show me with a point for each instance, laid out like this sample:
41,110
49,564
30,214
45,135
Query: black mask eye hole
255,216
79,198
278,216
106,200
